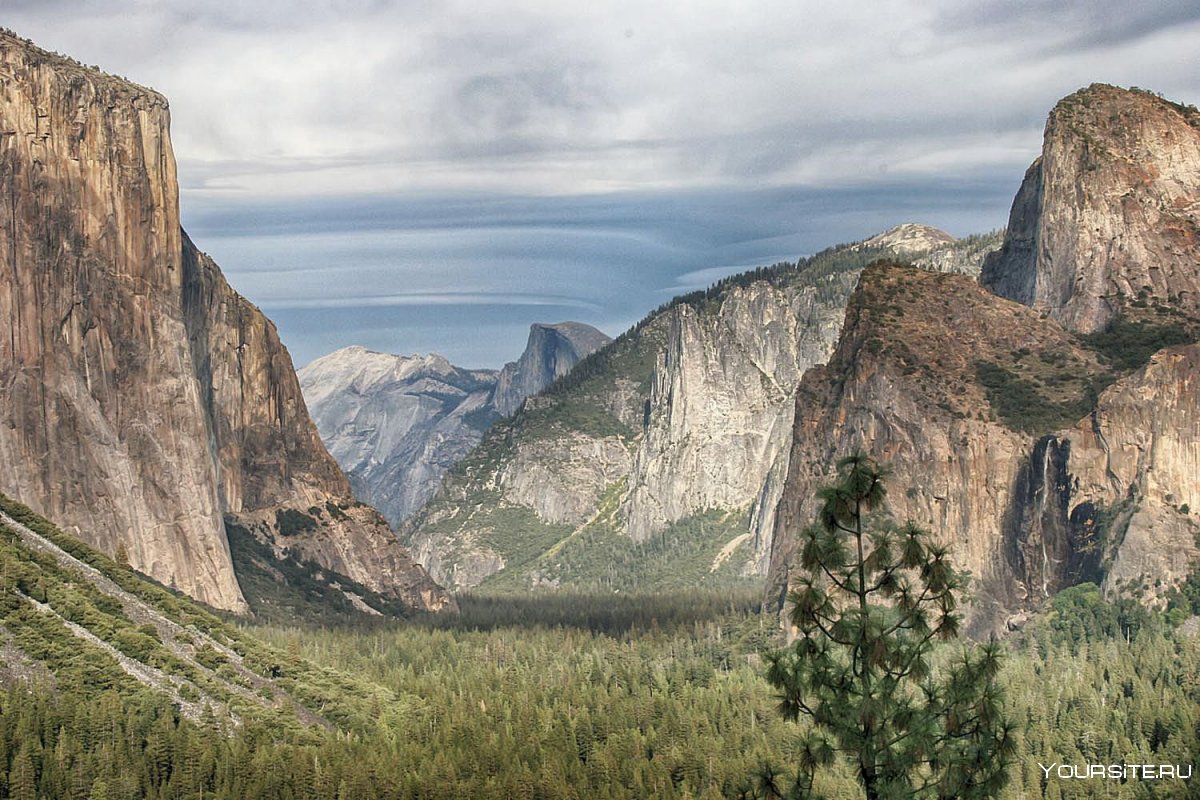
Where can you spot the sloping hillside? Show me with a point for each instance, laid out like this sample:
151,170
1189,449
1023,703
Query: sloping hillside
80,621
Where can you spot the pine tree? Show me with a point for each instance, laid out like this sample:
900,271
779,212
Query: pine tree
22,778
874,600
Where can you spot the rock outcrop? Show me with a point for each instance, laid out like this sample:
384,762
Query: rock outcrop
899,389
141,399
721,401
1133,477
396,424
1108,216
981,436
1042,457
550,353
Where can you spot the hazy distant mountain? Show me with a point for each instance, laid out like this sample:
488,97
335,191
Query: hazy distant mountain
397,423
550,353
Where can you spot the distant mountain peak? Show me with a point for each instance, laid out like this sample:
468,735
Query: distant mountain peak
910,238
396,423
550,353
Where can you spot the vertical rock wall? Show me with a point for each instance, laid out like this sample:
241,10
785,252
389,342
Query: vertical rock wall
1109,212
101,417
142,399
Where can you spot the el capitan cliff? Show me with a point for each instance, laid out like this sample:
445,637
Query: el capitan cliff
143,402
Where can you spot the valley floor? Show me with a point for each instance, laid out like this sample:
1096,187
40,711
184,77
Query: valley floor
584,697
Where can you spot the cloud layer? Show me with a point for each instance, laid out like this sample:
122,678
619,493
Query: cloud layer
411,150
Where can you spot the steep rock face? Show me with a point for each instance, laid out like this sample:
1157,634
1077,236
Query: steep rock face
102,426
1134,475
141,399
900,390
723,396
270,457
1108,214
1060,480
688,414
550,353
721,402
268,450
1106,500
395,424
564,485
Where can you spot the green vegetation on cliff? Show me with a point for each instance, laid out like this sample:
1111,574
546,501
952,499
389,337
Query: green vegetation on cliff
282,589
701,551
1054,388
1035,375
72,615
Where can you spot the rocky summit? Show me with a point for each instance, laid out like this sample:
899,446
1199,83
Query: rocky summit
144,404
1053,439
551,352
396,424
1108,218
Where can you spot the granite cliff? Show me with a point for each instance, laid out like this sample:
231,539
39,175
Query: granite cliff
1108,216
143,403
1022,446
658,459
1054,439
551,352
974,465
396,424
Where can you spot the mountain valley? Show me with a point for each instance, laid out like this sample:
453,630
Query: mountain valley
585,574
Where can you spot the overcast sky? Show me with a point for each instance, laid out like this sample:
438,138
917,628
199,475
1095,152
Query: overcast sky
419,176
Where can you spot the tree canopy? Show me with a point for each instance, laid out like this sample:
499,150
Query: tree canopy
874,599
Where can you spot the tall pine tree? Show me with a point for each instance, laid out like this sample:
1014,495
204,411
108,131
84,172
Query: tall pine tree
873,601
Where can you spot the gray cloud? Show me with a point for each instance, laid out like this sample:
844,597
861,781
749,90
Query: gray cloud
426,270
1080,24
604,154
279,98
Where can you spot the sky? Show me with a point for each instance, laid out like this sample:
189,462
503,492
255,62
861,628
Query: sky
436,176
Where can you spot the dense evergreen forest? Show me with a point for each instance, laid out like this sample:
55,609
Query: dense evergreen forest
114,687
579,698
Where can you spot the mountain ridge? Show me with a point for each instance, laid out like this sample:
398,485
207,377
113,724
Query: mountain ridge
620,454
